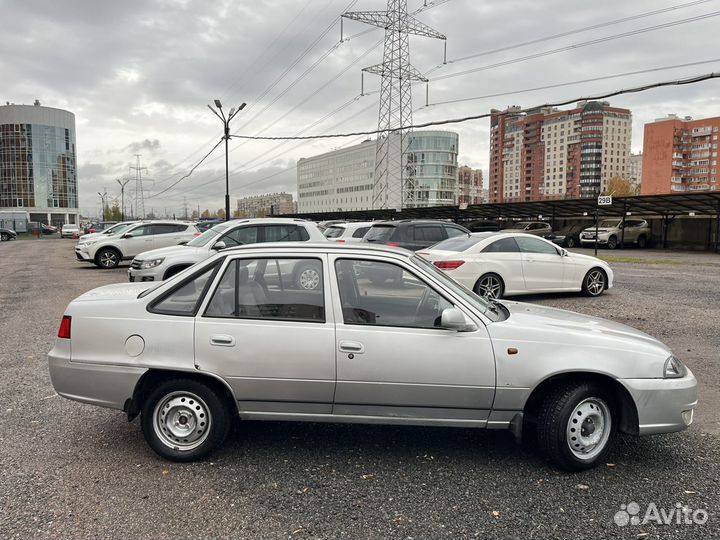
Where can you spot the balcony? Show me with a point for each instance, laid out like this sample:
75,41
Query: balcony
701,131
677,188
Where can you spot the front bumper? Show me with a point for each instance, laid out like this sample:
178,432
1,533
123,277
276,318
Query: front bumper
602,240
149,274
82,255
663,405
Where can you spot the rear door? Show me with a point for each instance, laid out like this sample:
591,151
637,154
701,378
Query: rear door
544,268
272,342
169,234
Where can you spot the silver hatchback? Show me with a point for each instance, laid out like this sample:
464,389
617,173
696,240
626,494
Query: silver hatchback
234,336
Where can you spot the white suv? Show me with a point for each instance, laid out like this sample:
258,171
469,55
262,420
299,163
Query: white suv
109,251
115,229
160,264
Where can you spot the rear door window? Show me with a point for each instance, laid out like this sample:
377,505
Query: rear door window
428,233
361,232
334,232
284,233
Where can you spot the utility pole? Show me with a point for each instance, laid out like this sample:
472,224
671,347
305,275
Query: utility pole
185,207
139,195
226,130
391,189
122,197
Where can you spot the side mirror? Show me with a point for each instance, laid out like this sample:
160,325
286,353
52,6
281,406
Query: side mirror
182,243
127,235
563,252
454,319
219,245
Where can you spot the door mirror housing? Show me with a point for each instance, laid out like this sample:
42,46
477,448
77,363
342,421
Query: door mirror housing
563,252
454,319
127,235
217,246
182,243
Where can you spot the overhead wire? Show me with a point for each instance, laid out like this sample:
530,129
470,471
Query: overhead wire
187,175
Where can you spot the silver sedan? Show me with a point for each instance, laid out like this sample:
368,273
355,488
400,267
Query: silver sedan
232,337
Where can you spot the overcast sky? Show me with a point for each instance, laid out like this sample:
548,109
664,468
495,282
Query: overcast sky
138,75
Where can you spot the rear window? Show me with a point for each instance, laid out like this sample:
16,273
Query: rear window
334,232
362,231
380,233
459,243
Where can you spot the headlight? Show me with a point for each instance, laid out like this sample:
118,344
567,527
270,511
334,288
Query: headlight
674,368
151,263
89,243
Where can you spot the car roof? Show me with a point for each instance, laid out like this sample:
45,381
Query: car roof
402,221
319,247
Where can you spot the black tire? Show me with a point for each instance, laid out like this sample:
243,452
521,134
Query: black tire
487,282
308,277
612,242
642,241
108,258
595,282
570,243
203,417
4,237
570,418
174,270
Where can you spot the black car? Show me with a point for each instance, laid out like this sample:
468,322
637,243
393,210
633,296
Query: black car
482,225
7,234
567,236
412,234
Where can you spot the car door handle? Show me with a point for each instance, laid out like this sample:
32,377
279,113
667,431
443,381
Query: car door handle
351,347
222,340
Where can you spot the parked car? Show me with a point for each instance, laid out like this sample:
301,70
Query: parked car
160,264
568,237
482,225
48,229
538,228
501,264
412,234
99,227
7,234
69,230
610,233
226,339
322,225
108,252
113,229
350,232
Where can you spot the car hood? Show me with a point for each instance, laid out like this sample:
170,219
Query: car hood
191,253
548,325
116,291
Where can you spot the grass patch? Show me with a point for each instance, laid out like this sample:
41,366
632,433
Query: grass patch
639,260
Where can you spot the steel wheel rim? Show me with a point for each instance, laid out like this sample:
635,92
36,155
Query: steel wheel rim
588,428
182,421
595,282
108,259
309,278
489,287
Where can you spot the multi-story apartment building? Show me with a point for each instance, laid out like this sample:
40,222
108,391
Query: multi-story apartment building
680,155
271,204
635,172
344,179
38,169
547,153
469,186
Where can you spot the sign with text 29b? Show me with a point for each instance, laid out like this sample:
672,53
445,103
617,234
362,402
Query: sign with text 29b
605,200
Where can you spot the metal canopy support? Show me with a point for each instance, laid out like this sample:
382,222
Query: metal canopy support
717,230
622,231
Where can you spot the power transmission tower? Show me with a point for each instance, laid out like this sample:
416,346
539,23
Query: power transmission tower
394,182
139,195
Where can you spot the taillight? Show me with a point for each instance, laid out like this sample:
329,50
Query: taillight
65,324
340,241
422,253
392,245
197,234
448,265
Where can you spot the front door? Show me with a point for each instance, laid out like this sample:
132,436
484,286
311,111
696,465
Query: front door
272,342
140,241
394,360
543,265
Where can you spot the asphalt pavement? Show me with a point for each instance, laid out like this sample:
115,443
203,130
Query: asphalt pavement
75,471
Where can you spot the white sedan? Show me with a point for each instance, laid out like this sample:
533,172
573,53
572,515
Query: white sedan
504,264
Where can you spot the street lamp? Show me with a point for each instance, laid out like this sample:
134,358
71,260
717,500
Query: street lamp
226,135
122,197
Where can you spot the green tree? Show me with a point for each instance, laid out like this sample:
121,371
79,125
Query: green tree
220,213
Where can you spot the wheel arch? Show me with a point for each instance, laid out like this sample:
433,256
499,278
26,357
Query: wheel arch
152,377
629,421
109,246
493,272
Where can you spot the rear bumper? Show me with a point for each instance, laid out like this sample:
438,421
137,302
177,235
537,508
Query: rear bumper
101,385
663,405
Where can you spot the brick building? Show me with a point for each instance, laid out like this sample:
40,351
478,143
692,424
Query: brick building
266,205
547,153
680,155
469,186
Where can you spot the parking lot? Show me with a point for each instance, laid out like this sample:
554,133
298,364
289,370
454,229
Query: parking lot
76,471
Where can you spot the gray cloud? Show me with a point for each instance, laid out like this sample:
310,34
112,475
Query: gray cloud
139,72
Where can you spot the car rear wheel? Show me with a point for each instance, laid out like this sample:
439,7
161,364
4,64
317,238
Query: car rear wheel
641,242
577,425
108,258
4,237
594,283
184,420
570,242
308,277
490,286
612,242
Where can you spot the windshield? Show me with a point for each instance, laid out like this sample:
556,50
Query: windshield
470,297
334,232
610,223
208,236
117,229
459,243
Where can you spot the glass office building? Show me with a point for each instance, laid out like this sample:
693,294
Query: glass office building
433,158
38,170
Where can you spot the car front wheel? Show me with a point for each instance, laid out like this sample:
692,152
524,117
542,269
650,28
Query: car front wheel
184,420
612,242
4,237
108,258
577,426
594,283
308,277
570,242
